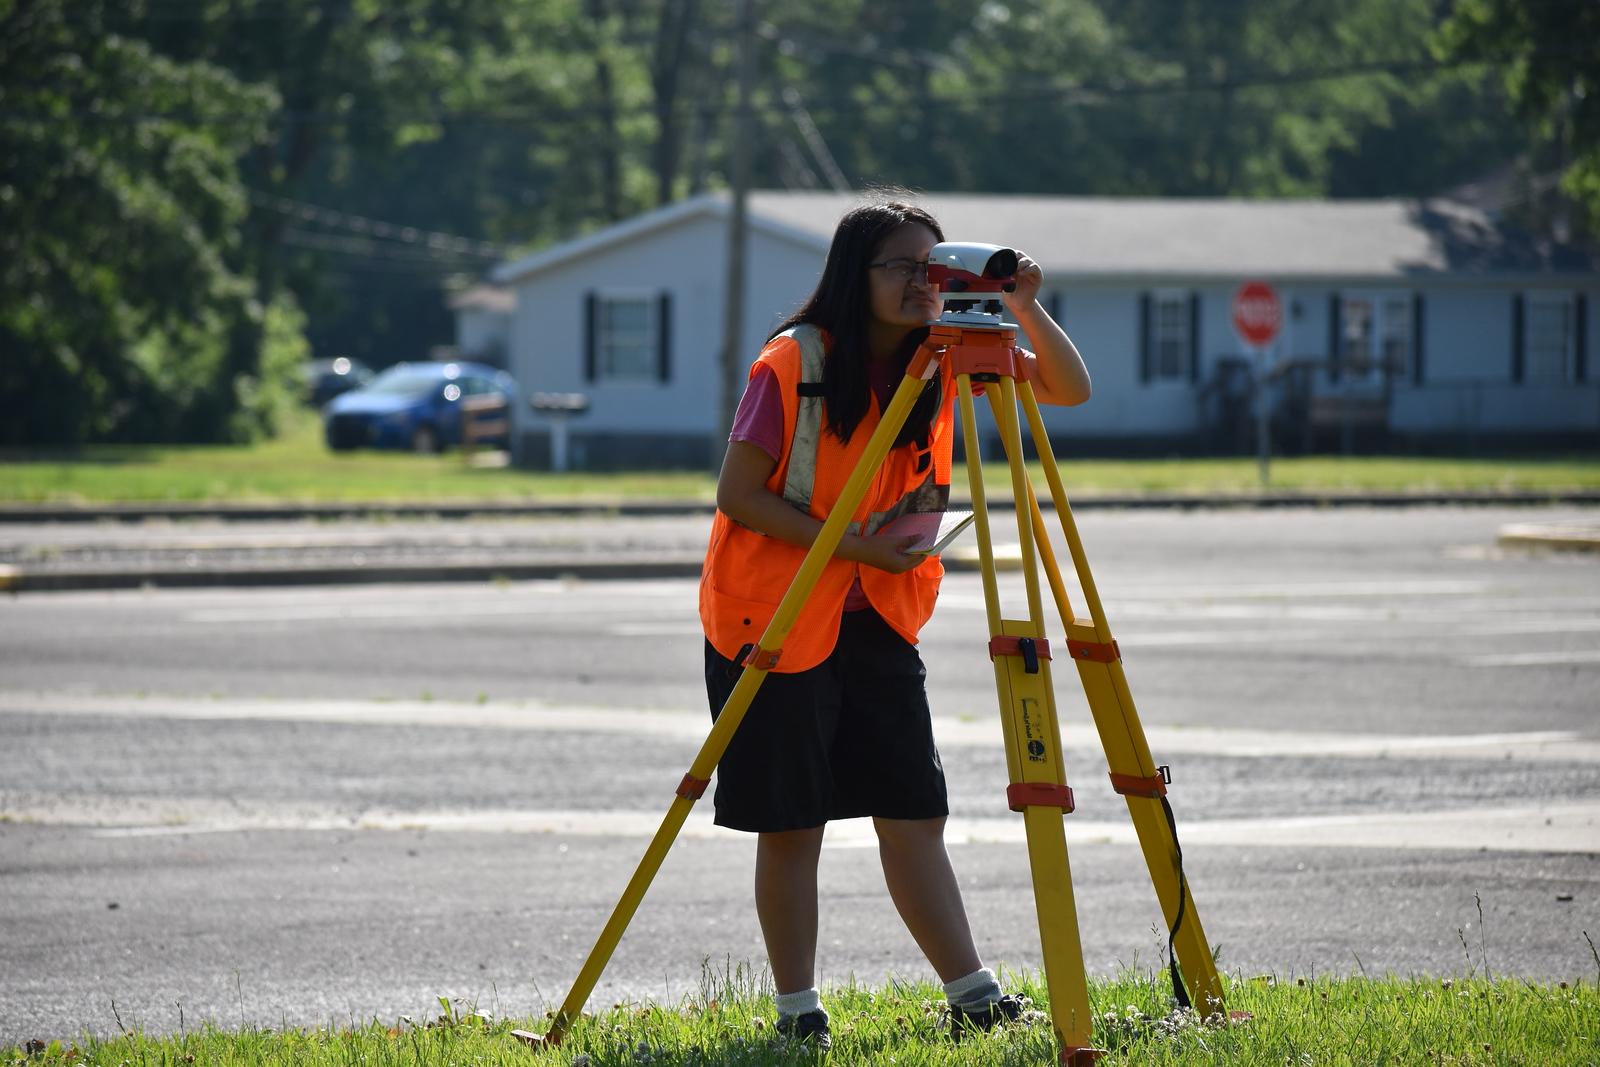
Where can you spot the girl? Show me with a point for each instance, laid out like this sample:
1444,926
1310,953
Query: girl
840,729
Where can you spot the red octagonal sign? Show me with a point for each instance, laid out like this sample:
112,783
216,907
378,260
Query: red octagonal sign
1257,315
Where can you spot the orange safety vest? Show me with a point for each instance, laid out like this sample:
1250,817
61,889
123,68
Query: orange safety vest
746,573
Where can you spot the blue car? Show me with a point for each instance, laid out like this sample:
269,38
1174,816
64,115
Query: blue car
414,406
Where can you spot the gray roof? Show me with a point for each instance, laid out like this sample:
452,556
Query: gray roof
1103,238
1089,237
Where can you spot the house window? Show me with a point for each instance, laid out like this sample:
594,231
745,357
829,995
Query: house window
1395,338
1375,334
1169,335
1547,339
625,337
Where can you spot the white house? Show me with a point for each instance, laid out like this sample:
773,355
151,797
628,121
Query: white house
1405,321
483,323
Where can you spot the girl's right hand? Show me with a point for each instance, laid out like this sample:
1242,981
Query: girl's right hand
886,553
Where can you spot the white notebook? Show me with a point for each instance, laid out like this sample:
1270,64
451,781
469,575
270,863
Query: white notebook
935,529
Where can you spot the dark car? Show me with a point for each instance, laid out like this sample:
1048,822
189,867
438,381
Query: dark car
327,378
412,405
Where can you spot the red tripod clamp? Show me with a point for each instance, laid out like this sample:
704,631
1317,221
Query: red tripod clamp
1020,795
979,351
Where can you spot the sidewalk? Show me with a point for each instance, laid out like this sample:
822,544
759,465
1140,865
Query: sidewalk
51,548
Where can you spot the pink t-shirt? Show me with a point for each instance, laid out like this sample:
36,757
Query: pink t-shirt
759,421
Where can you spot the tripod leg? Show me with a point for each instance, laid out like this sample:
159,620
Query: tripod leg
757,666
1038,788
1133,770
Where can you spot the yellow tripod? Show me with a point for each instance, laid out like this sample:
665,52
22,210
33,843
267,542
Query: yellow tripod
1022,658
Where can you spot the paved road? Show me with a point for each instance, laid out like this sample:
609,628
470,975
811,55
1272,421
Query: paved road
329,804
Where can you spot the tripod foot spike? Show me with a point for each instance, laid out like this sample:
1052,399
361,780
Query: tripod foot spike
538,1042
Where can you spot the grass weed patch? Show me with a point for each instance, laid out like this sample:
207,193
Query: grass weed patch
1307,1022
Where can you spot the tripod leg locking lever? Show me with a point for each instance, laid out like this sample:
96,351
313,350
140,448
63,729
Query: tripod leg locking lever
1020,795
761,658
1031,649
1095,651
692,788
1134,785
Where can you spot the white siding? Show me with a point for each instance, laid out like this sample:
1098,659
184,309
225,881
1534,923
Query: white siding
1104,325
1469,407
1468,336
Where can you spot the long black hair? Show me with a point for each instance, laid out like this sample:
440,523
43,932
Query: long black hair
841,305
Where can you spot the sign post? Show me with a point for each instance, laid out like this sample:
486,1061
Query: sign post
1257,318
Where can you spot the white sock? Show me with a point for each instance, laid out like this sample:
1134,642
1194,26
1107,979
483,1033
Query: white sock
801,1003
976,990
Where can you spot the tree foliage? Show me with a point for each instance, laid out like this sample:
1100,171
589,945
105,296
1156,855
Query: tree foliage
195,191
119,215
1549,52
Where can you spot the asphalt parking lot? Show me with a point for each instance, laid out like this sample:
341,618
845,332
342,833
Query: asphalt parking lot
339,802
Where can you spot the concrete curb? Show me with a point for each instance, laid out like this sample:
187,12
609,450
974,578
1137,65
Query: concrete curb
635,565
60,581
468,509
18,580
442,509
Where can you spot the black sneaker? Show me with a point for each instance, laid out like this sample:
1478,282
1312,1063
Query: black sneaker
1008,1009
808,1029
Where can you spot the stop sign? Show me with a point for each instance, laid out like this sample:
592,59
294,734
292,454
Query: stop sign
1257,315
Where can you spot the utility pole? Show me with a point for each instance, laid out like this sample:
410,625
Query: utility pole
733,358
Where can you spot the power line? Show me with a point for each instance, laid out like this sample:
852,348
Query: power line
432,243
814,141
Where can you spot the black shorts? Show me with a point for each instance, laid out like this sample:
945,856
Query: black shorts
848,738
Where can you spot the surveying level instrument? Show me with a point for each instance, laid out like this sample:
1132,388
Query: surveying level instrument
970,341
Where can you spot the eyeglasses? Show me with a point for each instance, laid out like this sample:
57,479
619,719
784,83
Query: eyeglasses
905,269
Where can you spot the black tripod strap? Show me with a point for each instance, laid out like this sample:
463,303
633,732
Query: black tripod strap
1179,993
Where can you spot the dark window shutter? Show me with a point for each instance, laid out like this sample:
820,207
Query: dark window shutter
1517,312
1417,308
1194,337
664,339
591,311
1335,337
1144,338
1580,338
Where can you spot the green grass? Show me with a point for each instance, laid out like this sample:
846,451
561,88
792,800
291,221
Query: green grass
298,468
1467,1022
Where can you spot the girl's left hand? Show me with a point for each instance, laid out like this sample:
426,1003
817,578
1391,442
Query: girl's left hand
1030,279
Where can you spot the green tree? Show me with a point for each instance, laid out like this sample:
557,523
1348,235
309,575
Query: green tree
1246,98
572,114
1549,54
119,213
361,82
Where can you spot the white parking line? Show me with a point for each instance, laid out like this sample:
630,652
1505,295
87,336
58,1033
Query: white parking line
1560,827
654,629
691,726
